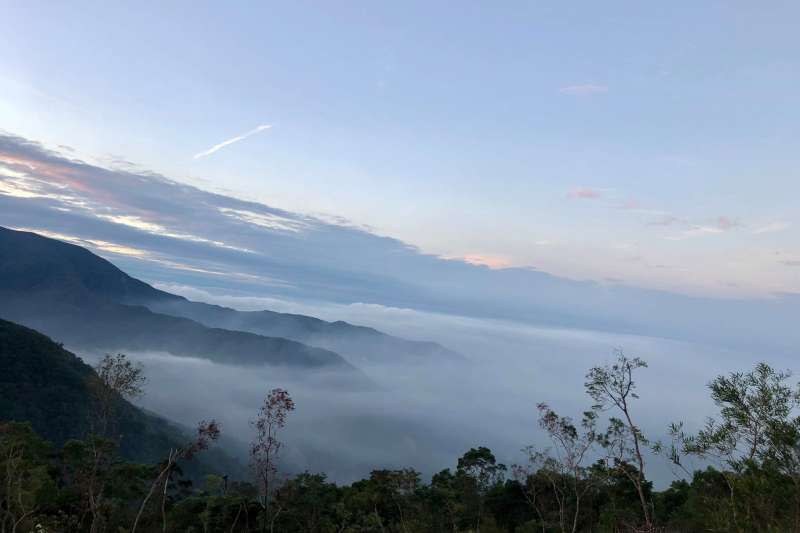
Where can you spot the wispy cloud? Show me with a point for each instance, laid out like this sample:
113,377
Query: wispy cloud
772,227
584,193
583,89
696,231
726,223
265,220
232,140
665,220
105,246
720,225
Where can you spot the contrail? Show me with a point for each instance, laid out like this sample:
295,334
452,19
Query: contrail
236,139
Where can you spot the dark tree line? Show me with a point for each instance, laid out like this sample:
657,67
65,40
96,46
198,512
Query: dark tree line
738,473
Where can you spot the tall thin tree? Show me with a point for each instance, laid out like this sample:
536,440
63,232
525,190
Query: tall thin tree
612,387
117,379
265,447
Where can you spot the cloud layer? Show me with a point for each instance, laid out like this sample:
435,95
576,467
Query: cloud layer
165,231
426,415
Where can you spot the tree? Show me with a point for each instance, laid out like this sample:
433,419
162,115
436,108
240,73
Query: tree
265,447
612,387
443,498
393,491
756,431
117,379
24,479
616,499
310,502
479,471
562,464
207,432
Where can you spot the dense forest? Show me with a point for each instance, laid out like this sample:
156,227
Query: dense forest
82,466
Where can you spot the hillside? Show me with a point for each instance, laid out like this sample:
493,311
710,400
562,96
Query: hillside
83,300
35,264
44,384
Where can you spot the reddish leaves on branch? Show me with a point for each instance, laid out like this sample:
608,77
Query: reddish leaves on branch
264,449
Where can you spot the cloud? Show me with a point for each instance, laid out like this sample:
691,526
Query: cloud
772,227
665,220
232,140
183,234
721,225
630,204
268,220
138,223
584,193
486,260
725,223
695,231
583,89
425,416
101,246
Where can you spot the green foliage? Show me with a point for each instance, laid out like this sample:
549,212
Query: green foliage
45,385
27,487
588,480
48,489
754,443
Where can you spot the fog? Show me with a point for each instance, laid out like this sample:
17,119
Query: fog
426,415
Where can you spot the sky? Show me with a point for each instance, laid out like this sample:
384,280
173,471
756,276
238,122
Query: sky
648,144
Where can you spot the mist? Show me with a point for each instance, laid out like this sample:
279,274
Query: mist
426,414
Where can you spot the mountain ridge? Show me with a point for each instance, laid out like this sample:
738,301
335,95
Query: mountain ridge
83,300
57,287
359,342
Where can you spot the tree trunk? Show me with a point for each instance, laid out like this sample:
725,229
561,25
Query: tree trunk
639,488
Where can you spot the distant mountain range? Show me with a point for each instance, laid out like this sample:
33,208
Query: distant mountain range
356,343
49,387
83,300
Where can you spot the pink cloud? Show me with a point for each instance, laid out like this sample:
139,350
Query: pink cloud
486,260
725,223
630,203
584,193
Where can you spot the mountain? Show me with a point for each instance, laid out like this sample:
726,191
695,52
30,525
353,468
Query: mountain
84,300
356,343
44,384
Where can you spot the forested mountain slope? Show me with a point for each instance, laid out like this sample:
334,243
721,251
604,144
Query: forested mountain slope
51,388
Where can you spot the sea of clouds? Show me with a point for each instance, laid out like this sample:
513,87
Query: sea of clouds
425,415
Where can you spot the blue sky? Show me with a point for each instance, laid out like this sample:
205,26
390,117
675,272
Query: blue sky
652,144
